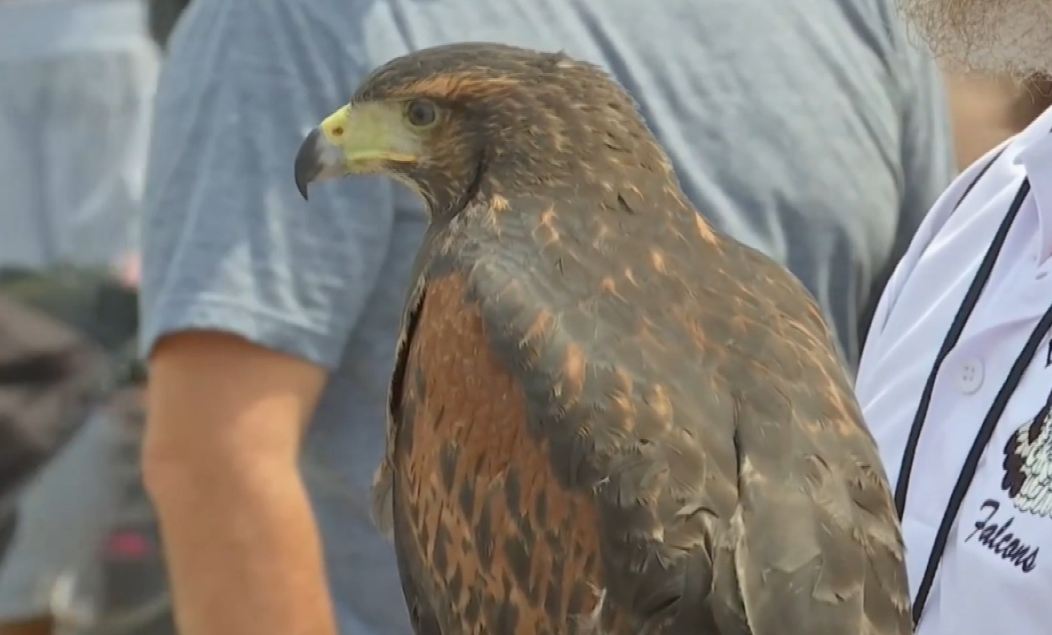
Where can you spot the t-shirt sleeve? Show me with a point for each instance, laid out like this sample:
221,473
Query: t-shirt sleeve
229,244
928,159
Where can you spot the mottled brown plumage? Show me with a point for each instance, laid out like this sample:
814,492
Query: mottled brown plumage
606,417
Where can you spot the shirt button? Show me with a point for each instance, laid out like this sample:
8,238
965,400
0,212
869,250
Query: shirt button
970,376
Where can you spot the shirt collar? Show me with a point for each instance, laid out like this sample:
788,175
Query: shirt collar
1036,159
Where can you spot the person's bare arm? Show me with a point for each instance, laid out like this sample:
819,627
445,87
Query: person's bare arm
224,427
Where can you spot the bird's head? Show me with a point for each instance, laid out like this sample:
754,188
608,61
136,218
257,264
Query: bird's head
448,119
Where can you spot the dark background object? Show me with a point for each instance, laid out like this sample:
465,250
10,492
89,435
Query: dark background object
67,338
163,16
50,376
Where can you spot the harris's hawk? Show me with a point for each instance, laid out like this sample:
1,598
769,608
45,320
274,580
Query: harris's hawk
605,417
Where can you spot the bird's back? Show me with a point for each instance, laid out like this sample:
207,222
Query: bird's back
676,389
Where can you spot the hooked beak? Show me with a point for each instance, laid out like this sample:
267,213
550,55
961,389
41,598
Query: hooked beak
310,160
320,156
355,140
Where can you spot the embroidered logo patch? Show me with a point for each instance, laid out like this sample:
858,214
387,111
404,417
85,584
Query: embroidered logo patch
992,532
1028,466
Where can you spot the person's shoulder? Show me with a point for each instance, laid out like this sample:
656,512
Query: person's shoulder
875,23
899,46
1035,157
1035,144
884,18
272,28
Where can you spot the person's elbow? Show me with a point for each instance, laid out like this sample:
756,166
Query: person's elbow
224,417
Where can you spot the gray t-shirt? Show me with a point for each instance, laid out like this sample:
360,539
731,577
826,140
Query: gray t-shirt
808,129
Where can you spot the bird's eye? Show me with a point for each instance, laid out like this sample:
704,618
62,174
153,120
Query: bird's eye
421,113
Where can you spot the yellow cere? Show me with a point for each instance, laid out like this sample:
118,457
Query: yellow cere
372,132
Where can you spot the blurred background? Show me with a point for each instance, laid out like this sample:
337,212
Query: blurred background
79,548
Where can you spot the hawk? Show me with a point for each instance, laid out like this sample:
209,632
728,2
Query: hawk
605,416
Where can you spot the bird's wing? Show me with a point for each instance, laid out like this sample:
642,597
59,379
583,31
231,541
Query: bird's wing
683,402
815,535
